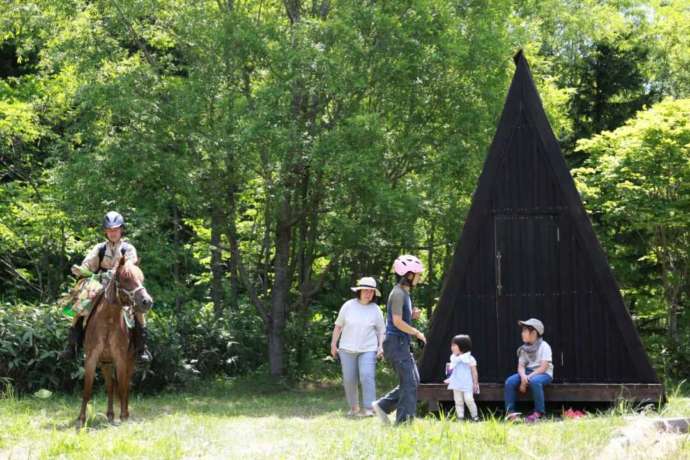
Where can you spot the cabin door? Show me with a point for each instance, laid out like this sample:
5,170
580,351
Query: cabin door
527,278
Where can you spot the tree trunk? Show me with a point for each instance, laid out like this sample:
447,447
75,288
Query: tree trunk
216,262
233,264
280,291
232,302
176,264
669,289
430,272
276,350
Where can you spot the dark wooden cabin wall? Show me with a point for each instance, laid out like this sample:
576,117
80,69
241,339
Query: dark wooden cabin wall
545,274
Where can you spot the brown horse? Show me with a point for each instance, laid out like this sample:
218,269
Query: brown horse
108,342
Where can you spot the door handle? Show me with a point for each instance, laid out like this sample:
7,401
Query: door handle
499,285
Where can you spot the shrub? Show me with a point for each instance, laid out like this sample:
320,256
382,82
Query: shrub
186,345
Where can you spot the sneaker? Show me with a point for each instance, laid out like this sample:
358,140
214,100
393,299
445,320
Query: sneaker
352,413
513,416
366,413
475,419
534,417
381,413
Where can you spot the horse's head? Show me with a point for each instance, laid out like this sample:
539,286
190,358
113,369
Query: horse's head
129,282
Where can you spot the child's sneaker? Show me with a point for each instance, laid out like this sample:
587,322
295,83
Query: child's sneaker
366,413
534,417
513,416
381,413
475,419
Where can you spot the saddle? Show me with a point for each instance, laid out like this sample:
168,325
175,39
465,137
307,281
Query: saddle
87,293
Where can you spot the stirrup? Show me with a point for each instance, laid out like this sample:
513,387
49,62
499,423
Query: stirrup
144,357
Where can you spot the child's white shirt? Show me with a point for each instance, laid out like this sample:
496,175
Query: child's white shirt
461,377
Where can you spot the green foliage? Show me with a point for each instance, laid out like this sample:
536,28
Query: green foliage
30,339
636,182
611,87
267,154
185,346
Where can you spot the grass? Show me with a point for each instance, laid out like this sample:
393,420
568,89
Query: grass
250,418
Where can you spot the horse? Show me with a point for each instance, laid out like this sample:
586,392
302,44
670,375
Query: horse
108,342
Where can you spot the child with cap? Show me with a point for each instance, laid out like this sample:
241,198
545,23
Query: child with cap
534,370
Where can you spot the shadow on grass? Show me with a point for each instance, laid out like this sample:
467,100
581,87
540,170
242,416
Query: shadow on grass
241,397
65,417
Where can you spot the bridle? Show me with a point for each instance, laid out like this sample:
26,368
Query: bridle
129,293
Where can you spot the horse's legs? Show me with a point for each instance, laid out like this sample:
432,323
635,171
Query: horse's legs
128,382
122,383
89,374
108,376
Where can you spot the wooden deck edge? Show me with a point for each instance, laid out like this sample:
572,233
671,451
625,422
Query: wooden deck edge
557,392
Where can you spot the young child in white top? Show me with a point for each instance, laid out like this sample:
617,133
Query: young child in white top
462,376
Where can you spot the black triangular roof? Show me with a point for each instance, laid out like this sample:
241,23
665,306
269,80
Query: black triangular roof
526,205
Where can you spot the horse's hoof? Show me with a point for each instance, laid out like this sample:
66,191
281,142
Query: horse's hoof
111,419
79,424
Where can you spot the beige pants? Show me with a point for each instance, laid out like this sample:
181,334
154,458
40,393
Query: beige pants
461,398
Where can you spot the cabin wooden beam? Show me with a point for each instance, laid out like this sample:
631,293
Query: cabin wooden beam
433,393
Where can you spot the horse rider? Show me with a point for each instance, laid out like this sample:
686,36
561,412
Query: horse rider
101,258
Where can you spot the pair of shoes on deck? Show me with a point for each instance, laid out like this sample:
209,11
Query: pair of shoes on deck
532,418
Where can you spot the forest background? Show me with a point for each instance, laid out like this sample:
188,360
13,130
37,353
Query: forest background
266,154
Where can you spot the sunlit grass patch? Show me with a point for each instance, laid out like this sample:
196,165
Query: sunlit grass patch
254,419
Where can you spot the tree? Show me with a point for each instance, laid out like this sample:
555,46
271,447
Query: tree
610,89
636,183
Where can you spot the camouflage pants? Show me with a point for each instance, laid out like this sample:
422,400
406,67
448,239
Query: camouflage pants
79,301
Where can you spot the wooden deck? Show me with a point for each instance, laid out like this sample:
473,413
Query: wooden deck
557,392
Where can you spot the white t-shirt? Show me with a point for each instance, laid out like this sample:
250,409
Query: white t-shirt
362,324
543,354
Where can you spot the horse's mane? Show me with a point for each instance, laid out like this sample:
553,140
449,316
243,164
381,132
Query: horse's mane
131,272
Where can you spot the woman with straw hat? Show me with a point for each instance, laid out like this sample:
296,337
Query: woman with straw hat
360,330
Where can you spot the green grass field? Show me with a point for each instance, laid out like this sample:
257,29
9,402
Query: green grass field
252,419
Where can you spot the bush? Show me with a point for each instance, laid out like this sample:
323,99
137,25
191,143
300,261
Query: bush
31,336
185,345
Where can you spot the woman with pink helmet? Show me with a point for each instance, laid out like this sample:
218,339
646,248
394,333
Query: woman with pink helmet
396,345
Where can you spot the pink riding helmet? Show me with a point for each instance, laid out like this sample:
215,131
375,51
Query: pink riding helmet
407,263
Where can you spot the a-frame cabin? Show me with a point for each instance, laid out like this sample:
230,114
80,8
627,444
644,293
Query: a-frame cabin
528,250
